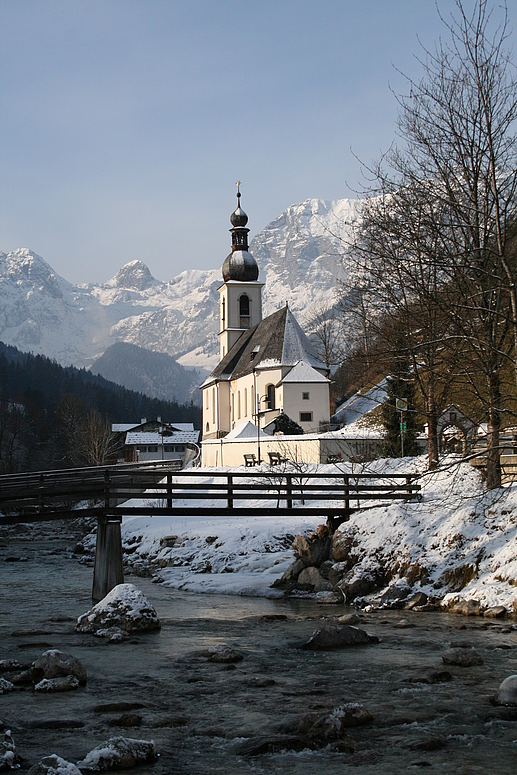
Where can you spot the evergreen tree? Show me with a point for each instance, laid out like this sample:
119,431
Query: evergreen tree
400,384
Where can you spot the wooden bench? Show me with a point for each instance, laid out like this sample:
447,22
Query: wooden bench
250,461
275,459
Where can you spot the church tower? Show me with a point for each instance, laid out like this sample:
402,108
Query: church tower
240,304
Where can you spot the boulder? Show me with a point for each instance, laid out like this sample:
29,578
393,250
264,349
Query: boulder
264,745
312,550
462,657
54,664
334,725
353,586
394,596
5,686
337,571
337,637
54,765
467,608
293,571
8,757
495,612
420,598
118,753
66,683
322,585
308,578
124,607
222,654
12,665
507,694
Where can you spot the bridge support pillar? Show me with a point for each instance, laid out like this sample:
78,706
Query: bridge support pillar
109,568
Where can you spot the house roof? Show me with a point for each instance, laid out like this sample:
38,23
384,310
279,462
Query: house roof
276,341
245,430
153,437
304,372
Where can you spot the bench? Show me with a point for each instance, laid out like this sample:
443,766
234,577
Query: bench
275,459
250,461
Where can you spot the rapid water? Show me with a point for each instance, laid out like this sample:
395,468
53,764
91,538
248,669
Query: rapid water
199,713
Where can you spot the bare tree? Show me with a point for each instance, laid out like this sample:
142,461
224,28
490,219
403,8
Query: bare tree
446,207
324,324
95,443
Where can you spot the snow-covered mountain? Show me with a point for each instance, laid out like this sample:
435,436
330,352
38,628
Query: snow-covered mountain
299,256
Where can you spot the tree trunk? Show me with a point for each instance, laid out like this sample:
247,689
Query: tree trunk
432,433
493,462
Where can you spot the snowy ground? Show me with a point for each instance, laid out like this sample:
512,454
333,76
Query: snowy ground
455,525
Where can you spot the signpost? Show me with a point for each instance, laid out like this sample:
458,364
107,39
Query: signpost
401,406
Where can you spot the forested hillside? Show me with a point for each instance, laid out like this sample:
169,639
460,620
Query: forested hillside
49,414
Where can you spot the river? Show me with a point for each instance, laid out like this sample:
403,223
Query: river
200,714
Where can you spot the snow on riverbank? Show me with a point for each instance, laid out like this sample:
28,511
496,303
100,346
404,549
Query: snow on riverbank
458,541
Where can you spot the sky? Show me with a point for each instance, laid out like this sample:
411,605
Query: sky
124,124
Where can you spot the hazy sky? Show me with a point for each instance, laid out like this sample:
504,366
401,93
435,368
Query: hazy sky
124,124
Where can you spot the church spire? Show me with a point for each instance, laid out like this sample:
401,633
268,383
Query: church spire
240,264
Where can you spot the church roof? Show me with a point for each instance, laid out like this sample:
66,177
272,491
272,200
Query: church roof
304,372
276,341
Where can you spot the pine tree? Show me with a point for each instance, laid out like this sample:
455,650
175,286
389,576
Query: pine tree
400,385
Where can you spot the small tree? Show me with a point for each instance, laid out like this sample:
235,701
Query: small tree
400,385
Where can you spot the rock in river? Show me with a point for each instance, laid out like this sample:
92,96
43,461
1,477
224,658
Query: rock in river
124,607
54,765
54,664
118,753
462,657
507,694
337,637
222,654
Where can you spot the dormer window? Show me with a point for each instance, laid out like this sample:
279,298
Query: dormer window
255,352
244,311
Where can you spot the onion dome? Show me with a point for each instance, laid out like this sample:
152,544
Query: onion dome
240,264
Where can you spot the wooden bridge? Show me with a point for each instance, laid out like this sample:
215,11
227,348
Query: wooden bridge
108,493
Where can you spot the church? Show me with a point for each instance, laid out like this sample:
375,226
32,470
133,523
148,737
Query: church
267,367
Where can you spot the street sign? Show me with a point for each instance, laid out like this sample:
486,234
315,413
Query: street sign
401,404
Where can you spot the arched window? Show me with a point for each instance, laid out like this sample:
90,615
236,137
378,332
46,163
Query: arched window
245,402
244,311
270,402
213,405
239,405
223,311
207,429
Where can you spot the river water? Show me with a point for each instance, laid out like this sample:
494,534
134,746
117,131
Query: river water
199,714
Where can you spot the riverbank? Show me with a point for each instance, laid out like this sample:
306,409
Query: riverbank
457,543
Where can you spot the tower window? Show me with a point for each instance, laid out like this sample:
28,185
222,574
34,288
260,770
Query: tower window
244,311
305,416
223,311
305,396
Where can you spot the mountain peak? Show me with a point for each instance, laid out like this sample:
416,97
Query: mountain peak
134,275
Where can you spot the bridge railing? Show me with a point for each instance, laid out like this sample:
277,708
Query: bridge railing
141,490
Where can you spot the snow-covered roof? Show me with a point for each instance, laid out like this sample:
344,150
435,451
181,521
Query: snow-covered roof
360,404
153,437
122,427
276,341
304,372
245,430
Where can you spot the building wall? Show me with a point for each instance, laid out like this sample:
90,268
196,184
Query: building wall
230,329
318,403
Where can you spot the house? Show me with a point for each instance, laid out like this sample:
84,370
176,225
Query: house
267,365
157,440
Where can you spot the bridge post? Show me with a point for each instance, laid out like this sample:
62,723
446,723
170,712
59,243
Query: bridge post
109,568
289,491
230,491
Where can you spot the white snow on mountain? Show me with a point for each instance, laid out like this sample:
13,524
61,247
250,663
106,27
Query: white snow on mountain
300,259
